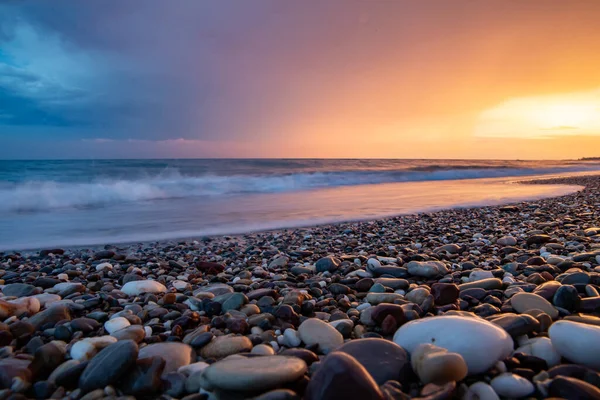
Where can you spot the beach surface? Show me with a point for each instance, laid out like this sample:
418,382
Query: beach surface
485,302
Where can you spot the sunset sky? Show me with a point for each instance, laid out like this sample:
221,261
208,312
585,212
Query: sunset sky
311,78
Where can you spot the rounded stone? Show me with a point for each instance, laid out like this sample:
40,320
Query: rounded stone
479,342
135,288
223,346
341,377
133,332
109,365
434,364
512,385
577,342
254,374
523,302
116,324
316,332
427,269
383,359
175,354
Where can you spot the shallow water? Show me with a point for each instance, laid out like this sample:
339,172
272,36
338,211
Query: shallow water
183,217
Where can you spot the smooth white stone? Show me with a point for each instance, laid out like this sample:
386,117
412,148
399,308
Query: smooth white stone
104,266
512,386
83,350
292,339
577,342
314,331
148,331
479,342
477,275
541,347
116,324
136,288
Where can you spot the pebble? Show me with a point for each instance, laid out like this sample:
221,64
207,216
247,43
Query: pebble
136,288
434,364
316,332
383,359
341,377
253,374
224,346
109,365
427,269
577,342
116,324
512,385
479,342
524,302
176,355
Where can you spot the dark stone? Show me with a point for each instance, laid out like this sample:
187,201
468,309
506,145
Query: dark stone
69,378
50,316
258,293
576,371
576,278
19,290
47,252
144,378
382,358
590,305
538,239
381,311
174,384
327,264
573,389
308,356
46,282
210,268
21,328
567,297
547,290
43,389
364,284
63,333
516,324
341,377
444,293
110,364
476,293
394,272
46,359
338,288
104,254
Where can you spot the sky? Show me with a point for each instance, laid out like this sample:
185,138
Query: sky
501,79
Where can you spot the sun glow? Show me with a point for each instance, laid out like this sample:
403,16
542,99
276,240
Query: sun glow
565,115
543,116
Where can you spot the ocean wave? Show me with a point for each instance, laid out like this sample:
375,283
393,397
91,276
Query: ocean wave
35,196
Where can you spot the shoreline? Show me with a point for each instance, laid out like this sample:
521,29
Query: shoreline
567,180
483,302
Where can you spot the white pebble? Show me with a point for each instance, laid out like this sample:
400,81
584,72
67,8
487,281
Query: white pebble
511,385
116,324
104,266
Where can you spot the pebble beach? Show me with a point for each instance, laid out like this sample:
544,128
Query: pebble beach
475,303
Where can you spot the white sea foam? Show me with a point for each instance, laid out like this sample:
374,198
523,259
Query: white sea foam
42,196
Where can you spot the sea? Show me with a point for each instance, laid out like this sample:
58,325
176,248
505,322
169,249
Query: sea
97,202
